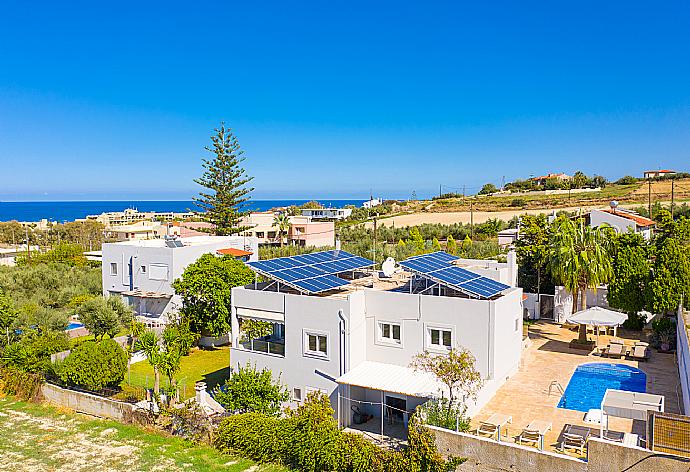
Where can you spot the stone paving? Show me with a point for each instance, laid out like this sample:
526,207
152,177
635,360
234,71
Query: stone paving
525,396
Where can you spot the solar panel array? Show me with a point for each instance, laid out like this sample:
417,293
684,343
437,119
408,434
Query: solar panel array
437,266
311,273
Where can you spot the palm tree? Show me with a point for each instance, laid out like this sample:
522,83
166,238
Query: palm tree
149,342
579,259
282,222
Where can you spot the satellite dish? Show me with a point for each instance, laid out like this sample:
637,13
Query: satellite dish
388,267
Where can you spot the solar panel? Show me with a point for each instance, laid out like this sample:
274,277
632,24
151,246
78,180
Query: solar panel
437,266
314,272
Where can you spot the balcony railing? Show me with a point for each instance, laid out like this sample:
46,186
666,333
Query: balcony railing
269,346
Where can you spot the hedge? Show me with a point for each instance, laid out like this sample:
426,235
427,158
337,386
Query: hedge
309,440
94,365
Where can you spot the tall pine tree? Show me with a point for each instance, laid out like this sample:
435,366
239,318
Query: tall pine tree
225,200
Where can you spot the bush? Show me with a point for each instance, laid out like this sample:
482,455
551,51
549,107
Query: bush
32,353
444,415
309,439
23,385
627,180
635,321
664,333
250,390
95,365
518,202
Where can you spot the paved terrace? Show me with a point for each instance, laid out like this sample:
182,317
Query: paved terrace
526,397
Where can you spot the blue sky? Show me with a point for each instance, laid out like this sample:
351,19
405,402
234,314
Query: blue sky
331,99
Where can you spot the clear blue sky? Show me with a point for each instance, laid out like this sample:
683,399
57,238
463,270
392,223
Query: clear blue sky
332,99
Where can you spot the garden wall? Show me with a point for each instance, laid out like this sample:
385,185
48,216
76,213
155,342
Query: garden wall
89,403
487,455
683,355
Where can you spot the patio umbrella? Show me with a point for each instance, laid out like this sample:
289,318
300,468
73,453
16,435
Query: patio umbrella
598,316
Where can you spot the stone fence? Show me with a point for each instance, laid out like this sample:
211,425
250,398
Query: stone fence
92,404
487,455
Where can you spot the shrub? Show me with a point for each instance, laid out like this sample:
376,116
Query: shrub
251,390
23,385
309,439
664,333
635,321
32,353
518,202
95,365
627,180
443,414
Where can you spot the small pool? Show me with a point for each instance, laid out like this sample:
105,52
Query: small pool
74,325
589,383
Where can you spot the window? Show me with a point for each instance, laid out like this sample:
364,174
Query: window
143,269
439,338
297,394
389,332
113,268
316,344
158,272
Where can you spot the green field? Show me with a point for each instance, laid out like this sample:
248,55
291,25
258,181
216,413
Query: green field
209,365
36,437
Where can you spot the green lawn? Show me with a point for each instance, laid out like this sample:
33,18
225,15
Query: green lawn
210,365
37,437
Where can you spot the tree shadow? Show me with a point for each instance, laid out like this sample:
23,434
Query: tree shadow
216,378
554,345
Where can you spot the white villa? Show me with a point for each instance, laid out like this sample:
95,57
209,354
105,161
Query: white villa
355,342
142,270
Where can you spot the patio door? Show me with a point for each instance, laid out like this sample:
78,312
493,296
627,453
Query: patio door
395,409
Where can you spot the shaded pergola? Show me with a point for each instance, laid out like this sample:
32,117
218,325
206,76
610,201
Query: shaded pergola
631,405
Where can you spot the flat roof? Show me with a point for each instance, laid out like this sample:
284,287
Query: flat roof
189,241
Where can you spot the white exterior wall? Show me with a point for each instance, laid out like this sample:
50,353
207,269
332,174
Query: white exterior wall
619,223
172,261
486,328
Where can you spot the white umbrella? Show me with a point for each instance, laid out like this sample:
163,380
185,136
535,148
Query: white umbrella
598,316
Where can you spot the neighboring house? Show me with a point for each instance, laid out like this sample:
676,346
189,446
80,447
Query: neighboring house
622,221
507,237
140,230
355,343
132,215
650,174
142,270
372,203
303,231
327,213
8,255
541,180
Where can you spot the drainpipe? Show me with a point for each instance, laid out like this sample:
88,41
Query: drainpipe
341,328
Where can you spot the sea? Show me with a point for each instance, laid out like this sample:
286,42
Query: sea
70,211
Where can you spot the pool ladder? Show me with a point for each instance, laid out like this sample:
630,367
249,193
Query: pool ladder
555,384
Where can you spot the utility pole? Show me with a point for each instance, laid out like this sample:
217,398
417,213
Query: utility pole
463,193
673,181
440,191
28,243
375,216
649,197
472,219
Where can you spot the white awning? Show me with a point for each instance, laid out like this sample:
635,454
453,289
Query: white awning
598,316
394,379
633,405
260,315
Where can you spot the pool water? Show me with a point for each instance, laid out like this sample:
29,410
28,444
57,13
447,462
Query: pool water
589,383
74,325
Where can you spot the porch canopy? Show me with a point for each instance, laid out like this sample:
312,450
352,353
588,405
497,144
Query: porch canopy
144,294
393,379
631,405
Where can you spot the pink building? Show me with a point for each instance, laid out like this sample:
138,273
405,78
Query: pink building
312,233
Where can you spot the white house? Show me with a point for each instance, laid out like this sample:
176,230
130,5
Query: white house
622,221
327,213
355,343
371,203
142,270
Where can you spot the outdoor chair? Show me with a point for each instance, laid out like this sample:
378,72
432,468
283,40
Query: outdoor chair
492,426
640,351
575,437
617,349
534,433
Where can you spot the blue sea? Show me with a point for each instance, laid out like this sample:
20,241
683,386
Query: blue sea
70,211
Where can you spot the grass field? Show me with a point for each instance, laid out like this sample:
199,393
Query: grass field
210,365
36,437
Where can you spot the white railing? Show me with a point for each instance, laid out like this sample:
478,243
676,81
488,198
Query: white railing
269,347
683,356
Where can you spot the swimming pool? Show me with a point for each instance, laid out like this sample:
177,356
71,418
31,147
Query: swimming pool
589,383
73,325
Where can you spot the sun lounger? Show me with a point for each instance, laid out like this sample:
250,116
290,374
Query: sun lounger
493,425
640,351
616,349
575,437
534,433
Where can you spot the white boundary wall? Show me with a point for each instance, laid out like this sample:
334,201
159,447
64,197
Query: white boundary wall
683,355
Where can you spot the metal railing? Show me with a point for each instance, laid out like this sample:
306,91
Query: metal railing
275,347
